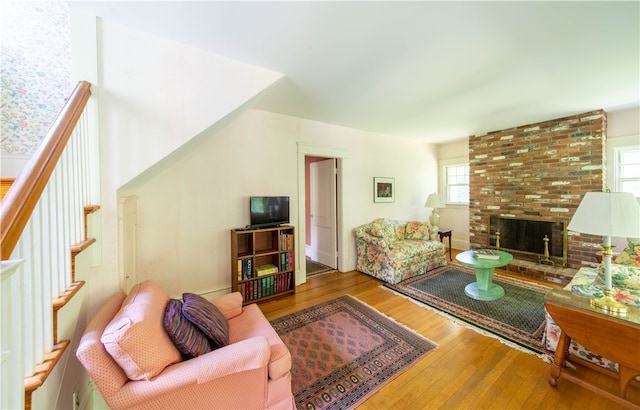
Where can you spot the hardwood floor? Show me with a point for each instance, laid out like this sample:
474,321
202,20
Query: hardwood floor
466,371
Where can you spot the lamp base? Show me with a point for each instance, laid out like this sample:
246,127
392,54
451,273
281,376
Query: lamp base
434,219
609,304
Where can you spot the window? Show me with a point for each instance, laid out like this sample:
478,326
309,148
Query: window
627,169
456,183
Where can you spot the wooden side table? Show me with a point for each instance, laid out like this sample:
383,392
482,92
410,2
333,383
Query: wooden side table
446,233
615,337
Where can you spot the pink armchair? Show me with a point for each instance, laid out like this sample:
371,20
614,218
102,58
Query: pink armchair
251,372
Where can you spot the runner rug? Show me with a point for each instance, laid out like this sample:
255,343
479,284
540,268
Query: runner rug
343,351
315,268
518,316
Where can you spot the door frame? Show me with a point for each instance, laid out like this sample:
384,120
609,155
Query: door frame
332,163
317,151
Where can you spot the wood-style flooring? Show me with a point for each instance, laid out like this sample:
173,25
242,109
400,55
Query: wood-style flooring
467,370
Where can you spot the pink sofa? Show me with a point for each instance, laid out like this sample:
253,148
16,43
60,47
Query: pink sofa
251,372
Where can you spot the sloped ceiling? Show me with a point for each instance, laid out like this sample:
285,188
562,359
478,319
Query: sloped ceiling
435,71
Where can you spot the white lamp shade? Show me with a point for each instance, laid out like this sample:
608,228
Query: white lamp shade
434,201
607,214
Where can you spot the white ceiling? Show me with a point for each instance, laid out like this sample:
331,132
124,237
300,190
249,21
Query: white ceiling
436,71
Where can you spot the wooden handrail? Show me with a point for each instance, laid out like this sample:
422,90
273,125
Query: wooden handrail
5,184
18,204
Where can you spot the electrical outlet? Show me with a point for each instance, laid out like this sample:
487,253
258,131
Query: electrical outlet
76,399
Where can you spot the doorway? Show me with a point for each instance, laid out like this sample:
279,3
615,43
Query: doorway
320,214
340,156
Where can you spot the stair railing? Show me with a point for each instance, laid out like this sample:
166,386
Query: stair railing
42,216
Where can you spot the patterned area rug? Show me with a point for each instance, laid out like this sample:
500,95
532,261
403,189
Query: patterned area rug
518,316
344,350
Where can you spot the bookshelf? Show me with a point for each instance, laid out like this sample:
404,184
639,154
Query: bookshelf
263,262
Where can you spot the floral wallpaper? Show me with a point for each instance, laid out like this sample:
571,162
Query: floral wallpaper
35,71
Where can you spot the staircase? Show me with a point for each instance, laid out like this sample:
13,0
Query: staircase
43,225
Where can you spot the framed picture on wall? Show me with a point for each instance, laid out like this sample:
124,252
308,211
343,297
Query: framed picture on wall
384,189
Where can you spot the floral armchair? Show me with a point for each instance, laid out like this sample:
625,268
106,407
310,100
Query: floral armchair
630,256
396,250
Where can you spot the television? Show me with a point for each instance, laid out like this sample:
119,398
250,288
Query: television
268,211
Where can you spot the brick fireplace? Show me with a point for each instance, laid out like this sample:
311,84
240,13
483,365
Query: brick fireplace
538,172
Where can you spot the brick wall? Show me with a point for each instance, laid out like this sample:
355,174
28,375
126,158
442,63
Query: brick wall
538,171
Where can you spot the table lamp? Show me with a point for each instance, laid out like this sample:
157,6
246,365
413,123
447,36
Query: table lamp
434,201
607,214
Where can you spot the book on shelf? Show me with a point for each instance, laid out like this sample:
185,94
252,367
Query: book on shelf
286,261
266,269
245,269
267,286
486,254
285,242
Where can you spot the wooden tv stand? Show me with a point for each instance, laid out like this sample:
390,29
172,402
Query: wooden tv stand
615,337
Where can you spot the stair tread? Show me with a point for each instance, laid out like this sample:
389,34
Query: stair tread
43,369
79,247
67,295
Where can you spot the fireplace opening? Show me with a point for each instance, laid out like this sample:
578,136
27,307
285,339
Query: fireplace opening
540,241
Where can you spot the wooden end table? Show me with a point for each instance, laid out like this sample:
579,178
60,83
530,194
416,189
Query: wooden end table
484,288
615,337
446,233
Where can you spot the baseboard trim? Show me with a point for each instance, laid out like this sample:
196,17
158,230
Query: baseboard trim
213,293
92,399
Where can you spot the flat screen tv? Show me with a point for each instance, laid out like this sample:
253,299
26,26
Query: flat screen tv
268,211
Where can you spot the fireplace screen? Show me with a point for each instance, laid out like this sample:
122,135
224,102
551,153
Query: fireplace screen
543,241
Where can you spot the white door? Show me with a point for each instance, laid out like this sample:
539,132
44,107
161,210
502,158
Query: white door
322,180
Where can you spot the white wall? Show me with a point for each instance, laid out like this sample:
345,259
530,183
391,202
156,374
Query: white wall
186,212
155,95
159,94
624,123
623,129
454,217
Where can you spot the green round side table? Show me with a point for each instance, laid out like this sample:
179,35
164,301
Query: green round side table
484,288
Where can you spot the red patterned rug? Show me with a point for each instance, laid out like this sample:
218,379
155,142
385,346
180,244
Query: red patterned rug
343,351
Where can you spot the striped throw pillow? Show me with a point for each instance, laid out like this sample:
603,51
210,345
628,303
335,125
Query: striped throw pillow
188,338
206,316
